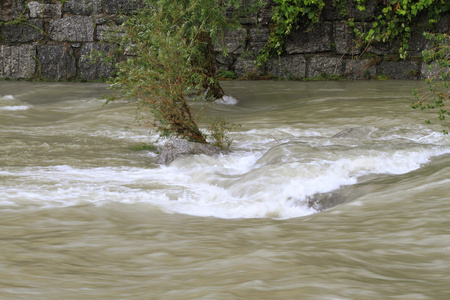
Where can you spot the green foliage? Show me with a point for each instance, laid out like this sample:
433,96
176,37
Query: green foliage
382,77
218,128
397,19
226,75
170,55
143,146
285,17
394,21
437,94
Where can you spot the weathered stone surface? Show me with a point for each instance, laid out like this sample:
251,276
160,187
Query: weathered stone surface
72,29
324,201
399,69
432,70
88,21
30,31
344,39
258,39
11,9
265,17
45,10
287,67
331,12
85,7
176,148
96,69
121,6
56,62
359,69
318,39
224,62
384,48
367,15
105,32
443,24
343,133
17,62
246,66
233,41
319,65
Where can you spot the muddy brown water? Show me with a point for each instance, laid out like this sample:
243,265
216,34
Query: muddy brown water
85,216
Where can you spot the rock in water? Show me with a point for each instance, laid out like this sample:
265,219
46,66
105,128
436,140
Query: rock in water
343,133
175,148
325,201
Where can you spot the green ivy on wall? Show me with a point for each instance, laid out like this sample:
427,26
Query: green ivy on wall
397,19
394,21
286,15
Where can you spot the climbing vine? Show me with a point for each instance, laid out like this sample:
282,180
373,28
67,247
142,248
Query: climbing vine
394,21
285,17
437,94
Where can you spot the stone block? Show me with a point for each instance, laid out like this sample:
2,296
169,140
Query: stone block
318,65
85,7
358,69
107,32
330,11
344,39
11,9
258,39
233,41
287,67
380,48
94,69
265,18
17,62
399,69
367,15
72,29
443,25
121,6
30,31
44,10
417,44
57,62
318,39
246,66
432,70
224,62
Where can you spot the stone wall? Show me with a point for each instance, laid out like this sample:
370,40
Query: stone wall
329,48
52,40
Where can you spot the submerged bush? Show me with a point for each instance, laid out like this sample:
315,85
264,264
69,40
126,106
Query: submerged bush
170,54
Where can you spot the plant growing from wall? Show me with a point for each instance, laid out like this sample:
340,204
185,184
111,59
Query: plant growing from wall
436,95
170,55
396,19
286,15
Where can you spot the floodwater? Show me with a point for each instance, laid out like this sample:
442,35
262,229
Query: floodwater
83,215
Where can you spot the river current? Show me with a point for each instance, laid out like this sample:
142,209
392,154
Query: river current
84,215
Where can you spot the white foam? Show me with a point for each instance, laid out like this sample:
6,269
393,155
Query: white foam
227,100
16,107
251,182
7,98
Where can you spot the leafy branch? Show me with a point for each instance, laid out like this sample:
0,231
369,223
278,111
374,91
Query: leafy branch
170,55
436,95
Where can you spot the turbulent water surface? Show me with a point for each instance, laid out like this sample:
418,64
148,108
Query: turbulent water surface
290,213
